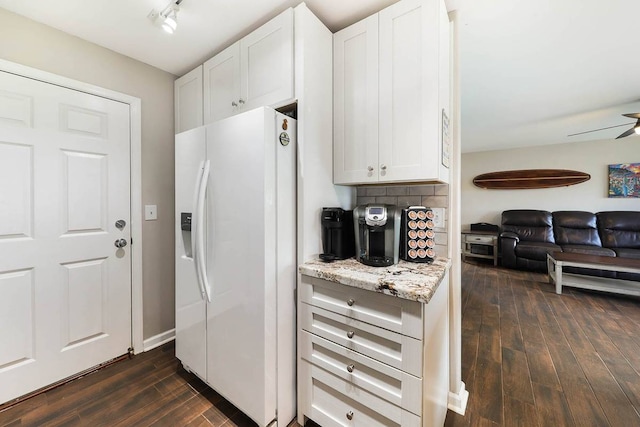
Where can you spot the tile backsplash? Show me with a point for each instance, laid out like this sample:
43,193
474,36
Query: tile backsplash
431,196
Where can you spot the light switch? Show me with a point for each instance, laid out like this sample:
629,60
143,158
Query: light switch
150,212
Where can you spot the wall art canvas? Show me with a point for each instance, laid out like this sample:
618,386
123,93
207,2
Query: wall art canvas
624,180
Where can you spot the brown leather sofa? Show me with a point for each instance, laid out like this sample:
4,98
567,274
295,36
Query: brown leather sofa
529,235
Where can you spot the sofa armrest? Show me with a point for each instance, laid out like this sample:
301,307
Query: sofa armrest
509,235
508,242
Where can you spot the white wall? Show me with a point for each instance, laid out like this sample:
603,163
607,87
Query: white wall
27,42
479,205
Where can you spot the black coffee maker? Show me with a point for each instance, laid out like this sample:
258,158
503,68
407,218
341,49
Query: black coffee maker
337,234
377,234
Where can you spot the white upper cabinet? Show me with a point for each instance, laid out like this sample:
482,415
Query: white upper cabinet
266,63
355,80
409,98
255,71
222,84
188,100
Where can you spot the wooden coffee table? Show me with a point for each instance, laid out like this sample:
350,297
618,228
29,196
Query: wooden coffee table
558,260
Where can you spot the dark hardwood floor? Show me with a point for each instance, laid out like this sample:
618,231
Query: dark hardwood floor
529,358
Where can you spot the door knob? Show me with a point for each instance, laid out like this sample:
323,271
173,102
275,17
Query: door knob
350,334
350,302
351,367
241,101
234,104
350,415
370,168
383,167
120,243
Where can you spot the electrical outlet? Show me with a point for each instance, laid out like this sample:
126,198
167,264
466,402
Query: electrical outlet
438,217
150,212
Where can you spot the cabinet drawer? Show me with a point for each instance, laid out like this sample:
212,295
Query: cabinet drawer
331,401
390,384
396,350
388,312
478,239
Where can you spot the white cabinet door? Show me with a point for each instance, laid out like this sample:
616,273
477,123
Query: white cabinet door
267,63
391,63
355,55
222,84
188,100
409,91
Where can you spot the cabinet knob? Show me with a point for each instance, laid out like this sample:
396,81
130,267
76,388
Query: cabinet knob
383,167
350,334
370,168
351,367
350,415
350,302
234,104
241,101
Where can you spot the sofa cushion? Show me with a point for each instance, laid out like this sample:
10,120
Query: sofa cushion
619,229
529,225
575,228
589,250
536,250
627,253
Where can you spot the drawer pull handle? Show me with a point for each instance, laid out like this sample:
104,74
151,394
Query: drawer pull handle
350,415
350,302
350,368
350,334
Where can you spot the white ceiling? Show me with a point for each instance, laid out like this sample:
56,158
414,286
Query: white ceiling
531,72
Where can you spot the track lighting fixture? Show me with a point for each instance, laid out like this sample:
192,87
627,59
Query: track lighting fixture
168,17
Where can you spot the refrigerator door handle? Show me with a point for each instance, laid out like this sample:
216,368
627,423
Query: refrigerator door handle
200,236
195,230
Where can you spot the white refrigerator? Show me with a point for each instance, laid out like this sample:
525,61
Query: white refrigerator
235,260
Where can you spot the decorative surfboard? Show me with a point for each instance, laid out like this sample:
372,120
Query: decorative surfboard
530,178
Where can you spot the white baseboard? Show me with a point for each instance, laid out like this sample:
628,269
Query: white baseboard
458,401
158,340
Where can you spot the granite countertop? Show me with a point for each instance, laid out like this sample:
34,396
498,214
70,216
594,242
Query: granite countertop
408,280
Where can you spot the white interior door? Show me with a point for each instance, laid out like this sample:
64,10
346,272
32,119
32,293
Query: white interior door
65,289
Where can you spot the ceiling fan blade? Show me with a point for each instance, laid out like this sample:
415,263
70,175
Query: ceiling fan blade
596,130
633,115
627,133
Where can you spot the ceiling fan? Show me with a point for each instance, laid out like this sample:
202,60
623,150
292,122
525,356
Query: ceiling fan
634,129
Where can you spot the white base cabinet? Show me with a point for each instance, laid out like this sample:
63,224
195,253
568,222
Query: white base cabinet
391,90
369,359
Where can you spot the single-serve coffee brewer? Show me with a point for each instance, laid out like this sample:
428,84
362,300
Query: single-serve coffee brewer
377,230
337,234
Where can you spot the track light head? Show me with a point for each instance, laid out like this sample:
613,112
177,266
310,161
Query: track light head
168,17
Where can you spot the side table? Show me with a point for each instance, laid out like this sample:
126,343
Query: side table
484,238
